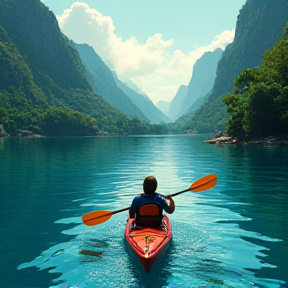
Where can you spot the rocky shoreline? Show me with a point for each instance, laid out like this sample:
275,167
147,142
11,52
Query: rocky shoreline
267,141
221,139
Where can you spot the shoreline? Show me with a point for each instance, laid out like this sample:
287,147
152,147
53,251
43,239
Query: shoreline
263,141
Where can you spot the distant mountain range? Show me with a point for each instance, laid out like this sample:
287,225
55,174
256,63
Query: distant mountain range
143,102
177,102
107,84
202,81
104,84
164,106
189,98
46,79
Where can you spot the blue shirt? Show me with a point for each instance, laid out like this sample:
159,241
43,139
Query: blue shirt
148,199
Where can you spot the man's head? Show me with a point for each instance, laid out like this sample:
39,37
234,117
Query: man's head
150,185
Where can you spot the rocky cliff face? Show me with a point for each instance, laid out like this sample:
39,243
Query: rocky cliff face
42,77
34,31
259,25
177,102
204,74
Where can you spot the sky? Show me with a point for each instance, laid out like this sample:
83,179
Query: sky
154,43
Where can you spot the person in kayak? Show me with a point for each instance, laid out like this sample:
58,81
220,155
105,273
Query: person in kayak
148,206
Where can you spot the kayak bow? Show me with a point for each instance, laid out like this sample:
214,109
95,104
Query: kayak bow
148,243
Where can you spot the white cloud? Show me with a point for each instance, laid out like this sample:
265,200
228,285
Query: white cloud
154,66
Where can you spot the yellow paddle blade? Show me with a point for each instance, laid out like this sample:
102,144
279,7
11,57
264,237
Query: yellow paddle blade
96,217
204,183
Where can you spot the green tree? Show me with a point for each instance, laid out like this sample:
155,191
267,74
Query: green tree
259,104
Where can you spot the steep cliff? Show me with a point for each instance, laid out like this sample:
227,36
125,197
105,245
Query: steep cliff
104,84
202,80
259,25
177,102
34,31
144,103
42,78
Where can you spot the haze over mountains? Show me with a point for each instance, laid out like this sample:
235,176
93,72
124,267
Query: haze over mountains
143,102
118,94
203,77
177,102
202,80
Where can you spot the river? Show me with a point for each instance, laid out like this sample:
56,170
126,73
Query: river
233,235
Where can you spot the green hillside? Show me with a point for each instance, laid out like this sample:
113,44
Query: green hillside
103,82
43,85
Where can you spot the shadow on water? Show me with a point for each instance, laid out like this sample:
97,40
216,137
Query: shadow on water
160,272
199,272
92,251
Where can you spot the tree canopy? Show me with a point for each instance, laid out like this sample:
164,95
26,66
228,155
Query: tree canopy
258,106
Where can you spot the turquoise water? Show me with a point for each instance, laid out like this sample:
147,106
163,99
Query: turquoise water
234,235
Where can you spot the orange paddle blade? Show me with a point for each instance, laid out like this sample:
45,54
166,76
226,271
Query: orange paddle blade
96,217
204,183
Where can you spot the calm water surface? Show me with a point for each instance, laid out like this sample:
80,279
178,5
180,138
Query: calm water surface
234,235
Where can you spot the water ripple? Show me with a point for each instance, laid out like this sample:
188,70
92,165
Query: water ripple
230,236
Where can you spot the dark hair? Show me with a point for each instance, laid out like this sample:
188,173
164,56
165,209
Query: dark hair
149,185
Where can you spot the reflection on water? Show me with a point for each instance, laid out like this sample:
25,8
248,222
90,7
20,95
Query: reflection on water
230,236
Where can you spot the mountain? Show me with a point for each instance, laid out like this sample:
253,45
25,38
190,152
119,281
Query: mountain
176,103
202,80
142,102
43,83
258,106
163,105
128,82
104,84
259,25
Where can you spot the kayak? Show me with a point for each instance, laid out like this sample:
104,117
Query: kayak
148,244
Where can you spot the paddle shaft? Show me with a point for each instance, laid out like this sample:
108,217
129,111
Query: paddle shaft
175,194
97,217
108,214
127,208
121,210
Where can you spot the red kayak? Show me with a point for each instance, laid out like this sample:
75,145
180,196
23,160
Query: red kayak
148,243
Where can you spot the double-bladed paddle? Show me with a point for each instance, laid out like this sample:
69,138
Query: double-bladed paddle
98,217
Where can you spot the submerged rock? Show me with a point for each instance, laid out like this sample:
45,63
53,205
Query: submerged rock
222,140
264,141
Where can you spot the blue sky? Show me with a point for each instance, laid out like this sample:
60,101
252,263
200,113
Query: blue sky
155,43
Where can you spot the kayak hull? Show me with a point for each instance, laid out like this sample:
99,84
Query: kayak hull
148,244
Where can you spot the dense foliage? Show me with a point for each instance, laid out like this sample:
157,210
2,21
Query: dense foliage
43,84
259,104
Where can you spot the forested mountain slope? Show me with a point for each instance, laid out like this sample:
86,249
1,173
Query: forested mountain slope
43,83
259,25
144,103
104,84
